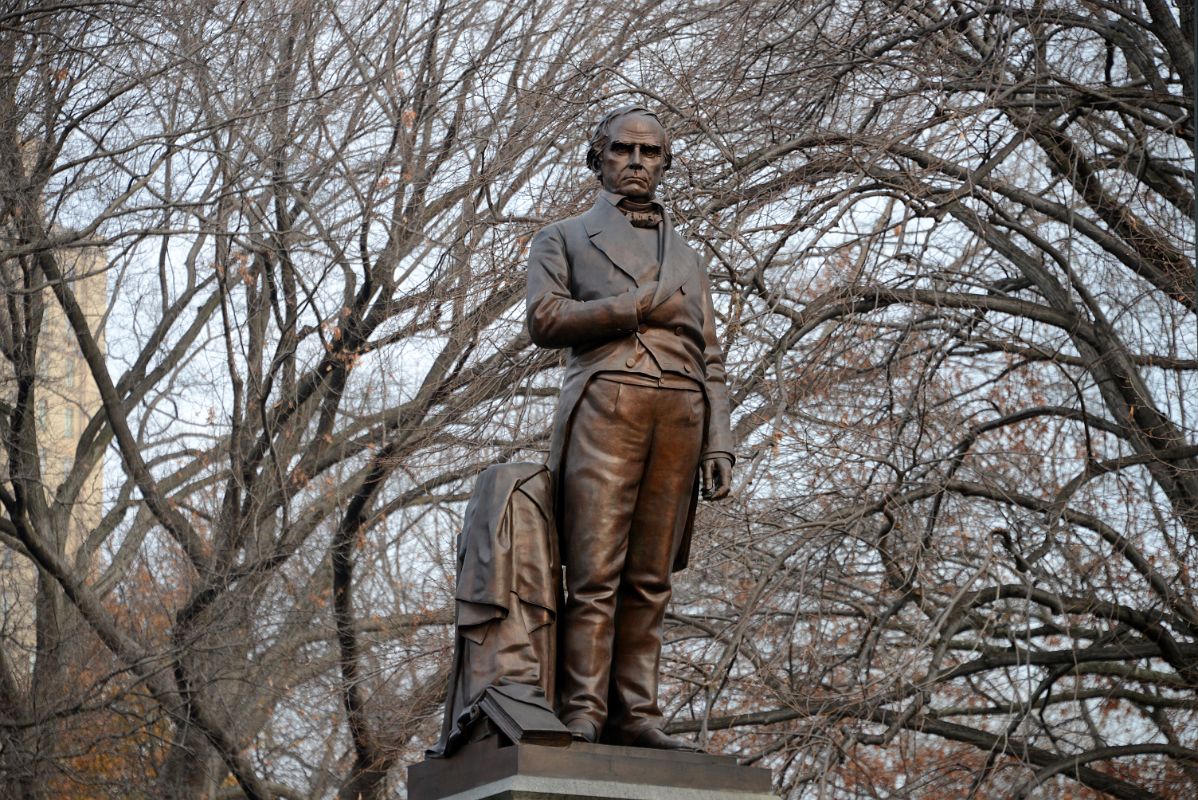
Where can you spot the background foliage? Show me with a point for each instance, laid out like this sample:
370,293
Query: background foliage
952,249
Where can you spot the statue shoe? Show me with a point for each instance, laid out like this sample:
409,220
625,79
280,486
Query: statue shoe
583,730
657,739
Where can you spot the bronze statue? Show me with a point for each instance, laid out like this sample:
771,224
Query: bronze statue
642,425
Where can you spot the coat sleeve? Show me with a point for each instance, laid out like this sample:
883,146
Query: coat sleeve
718,441
555,318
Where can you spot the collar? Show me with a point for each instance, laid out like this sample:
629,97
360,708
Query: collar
614,198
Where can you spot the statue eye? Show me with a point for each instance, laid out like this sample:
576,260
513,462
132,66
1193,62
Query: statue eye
622,148
650,151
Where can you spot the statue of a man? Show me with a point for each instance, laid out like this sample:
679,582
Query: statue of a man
642,424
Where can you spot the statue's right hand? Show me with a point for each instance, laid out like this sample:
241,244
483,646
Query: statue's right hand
644,299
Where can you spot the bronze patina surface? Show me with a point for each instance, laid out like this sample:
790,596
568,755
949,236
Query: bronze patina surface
642,426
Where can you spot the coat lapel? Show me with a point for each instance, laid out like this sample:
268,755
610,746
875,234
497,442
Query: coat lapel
612,234
673,266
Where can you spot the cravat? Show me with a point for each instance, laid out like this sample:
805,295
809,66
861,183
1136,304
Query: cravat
640,215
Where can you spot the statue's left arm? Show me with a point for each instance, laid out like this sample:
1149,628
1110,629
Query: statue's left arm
718,455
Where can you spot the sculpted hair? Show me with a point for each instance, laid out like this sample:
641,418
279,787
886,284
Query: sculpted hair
602,135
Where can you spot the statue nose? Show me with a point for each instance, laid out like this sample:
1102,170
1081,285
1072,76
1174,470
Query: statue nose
634,158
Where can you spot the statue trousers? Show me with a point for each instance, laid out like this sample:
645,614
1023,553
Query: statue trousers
627,482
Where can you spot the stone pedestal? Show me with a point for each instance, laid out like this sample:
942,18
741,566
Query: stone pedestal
488,771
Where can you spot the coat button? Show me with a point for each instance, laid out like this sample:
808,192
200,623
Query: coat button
678,331
630,362
686,368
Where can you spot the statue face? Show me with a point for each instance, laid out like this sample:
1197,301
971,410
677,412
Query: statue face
634,157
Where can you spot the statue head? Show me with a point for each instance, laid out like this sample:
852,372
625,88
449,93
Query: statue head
629,151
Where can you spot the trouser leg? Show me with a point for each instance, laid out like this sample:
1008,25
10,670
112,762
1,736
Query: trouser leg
662,507
604,461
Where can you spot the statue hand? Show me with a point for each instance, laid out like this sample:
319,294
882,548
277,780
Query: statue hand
644,299
717,478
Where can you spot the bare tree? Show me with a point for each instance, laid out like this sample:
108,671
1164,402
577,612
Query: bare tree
298,201
952,249
957,240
